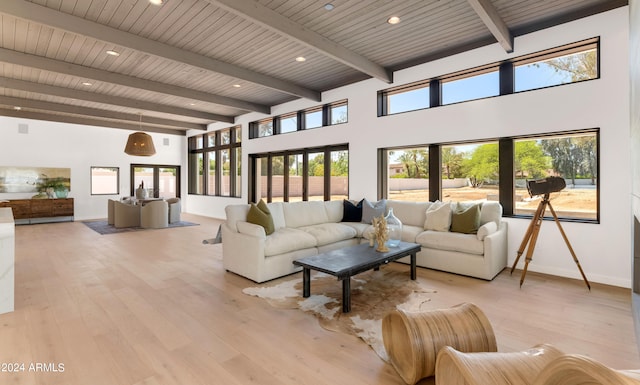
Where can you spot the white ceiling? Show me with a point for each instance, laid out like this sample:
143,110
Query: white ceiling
179,61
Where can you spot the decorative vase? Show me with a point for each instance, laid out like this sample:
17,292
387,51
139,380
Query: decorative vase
51,193
141,193
62,193
394,226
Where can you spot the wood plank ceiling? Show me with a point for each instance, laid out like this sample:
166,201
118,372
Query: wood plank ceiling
186,63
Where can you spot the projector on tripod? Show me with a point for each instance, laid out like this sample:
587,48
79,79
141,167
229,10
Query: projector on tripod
543,187
546,186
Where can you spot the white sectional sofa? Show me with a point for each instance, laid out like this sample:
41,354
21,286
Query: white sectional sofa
309,228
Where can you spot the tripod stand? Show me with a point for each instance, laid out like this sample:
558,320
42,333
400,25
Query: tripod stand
531,236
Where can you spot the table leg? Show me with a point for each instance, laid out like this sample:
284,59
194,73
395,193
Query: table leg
413,266
306,282
346,295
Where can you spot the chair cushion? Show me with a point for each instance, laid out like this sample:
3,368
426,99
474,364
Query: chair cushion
327,233
287,239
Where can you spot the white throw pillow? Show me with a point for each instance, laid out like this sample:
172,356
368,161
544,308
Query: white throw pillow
486,229
438,216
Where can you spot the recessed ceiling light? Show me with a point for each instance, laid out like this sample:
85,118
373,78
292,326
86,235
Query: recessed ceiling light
87,83
329,7
237,85
17,108
192,104
113,53
156,2
300,59
393,20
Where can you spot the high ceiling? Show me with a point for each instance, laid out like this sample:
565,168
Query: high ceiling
186,63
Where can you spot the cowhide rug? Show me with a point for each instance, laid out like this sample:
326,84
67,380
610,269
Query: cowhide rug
373,295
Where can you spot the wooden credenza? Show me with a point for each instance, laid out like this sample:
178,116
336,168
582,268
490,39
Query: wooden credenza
28,211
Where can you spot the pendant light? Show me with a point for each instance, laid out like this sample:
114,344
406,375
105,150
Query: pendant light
140,143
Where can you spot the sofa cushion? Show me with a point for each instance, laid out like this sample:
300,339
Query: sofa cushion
334,211
358,227
260,215
277,213
409,233
465,218
372,210
464,243
438,216
326,233
410,213
287,239
491,211
352,212
306,213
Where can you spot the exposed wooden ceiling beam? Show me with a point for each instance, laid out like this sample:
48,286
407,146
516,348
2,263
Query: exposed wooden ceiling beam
109,99
490,17
86,121
42,15
43,63
96,112
274,21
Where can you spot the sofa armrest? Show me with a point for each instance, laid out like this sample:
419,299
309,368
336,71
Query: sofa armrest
495,249
242,253
251,229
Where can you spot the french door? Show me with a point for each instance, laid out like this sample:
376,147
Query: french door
161,181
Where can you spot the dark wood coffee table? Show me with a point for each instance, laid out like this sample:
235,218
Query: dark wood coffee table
349,261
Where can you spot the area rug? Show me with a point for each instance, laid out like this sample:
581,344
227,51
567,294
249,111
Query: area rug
104,228
373,295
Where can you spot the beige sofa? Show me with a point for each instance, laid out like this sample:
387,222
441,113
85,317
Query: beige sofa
310,228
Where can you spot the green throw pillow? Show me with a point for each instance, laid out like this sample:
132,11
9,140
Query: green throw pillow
260,215
465,219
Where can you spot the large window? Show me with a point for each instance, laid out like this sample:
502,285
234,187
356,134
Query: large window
411,98
408,174
573,157
478,85
215,166
301,175
470,171
319,116
570,63
499,170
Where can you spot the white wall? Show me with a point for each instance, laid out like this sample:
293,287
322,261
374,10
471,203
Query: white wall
50,144
603,249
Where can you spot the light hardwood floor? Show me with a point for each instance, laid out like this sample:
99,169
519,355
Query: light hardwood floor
156,307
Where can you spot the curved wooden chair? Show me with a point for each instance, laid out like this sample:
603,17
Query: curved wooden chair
458,368
574,369
412,340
